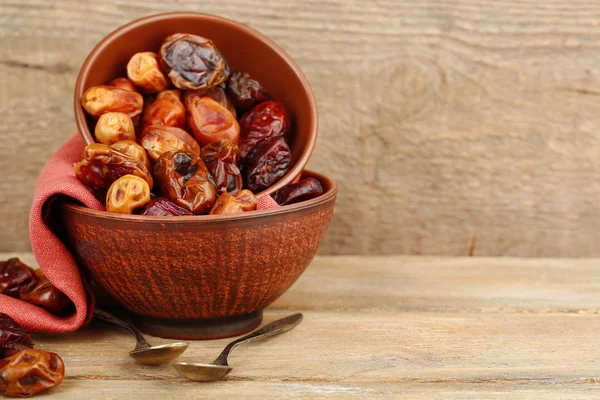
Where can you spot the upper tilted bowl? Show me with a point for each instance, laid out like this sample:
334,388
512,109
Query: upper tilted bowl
244,49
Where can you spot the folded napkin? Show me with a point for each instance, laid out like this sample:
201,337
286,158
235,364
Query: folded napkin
58,179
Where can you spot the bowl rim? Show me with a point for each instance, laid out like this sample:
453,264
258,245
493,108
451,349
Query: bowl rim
326,197
80,117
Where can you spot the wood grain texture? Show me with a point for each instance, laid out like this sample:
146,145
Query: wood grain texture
385,327
439,119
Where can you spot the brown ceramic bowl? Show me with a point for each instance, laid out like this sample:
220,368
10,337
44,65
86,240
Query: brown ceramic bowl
245,49
198,277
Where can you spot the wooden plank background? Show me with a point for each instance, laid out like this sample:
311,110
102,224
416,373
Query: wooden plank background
441,121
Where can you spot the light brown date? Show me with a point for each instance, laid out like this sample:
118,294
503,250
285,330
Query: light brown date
210,122
158,139
102,165
167,109
133,150
127,194
29,372
145,73
123,83
232,204
216,93
183,178
98,100
113,127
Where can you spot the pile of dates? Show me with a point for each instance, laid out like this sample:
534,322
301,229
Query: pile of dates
25,371
182,135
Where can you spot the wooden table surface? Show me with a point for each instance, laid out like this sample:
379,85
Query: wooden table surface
387,327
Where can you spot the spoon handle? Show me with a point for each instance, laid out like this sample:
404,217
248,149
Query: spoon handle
128,326
274,328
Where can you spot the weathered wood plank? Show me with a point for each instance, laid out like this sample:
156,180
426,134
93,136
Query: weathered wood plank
438,118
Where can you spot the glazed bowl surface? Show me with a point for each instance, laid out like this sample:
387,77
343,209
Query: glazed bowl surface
198,277
245,50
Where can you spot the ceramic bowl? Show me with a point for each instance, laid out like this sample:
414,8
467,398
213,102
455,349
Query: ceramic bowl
244,48
198,277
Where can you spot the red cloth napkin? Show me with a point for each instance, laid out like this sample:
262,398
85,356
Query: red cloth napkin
58,179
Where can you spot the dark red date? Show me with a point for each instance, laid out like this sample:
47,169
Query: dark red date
306,189
163,207
45,295
29,372
221,159
245,91
266,163
16,277
193,62
13,338
265,120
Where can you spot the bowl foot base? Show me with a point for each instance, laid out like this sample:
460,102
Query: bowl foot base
201,329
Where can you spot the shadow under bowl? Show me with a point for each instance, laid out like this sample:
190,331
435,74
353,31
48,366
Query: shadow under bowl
198,277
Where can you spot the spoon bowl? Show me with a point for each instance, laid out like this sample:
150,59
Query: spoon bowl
202,372
162,354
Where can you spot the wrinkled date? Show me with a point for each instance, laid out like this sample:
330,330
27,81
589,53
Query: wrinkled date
306,189
193,62
133,150
16,277
158,139
144,71
127,194
163,207
102,165
184,179
45,295
113,127
29,372
123,83
221,159
13,338
266,163
209,121
216,93
233,204
167,109
265,120
98,100
245,91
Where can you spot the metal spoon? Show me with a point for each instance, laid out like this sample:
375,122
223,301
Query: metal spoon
144,353
219,368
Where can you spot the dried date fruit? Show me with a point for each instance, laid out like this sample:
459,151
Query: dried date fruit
193,62
265,120
167,109
158,139
13,338
266,163
184,179
127,194
133,150
216,93
16,277
233,204
102,165
209,121
45,295
163,207
144,71
29,372
245,91
306,189
221,159
123,83
98,100
113,127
